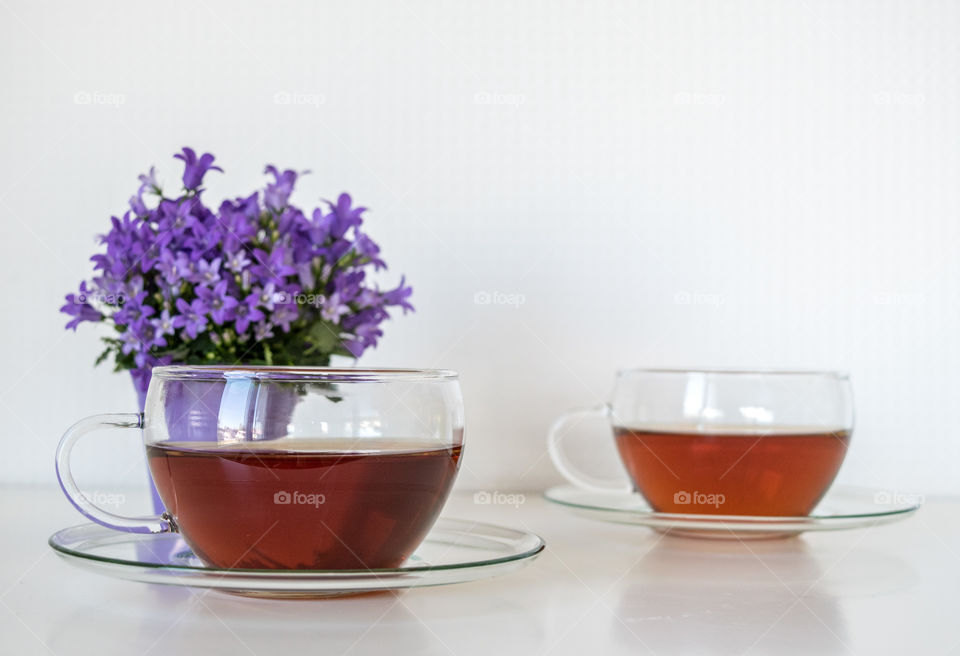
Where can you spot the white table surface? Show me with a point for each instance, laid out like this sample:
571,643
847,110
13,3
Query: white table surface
598,589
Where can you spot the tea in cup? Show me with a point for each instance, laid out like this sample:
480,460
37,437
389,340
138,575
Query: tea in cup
758,443
292,468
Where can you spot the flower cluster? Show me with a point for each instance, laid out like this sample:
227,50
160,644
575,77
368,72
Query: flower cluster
255,281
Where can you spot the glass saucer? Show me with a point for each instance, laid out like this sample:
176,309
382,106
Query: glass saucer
455,551
842,508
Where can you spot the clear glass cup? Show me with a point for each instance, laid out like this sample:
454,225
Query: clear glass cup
291,467
721,442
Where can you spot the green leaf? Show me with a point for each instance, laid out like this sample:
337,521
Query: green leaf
323,337
103,356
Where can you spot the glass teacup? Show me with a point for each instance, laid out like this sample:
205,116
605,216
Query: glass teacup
722,442
291,468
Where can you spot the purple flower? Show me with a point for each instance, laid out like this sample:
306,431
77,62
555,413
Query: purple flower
344,216
148,181
347,285
239,221
368,248
137,206
271,266
148,334
193,315
133,310
167,274
366,336
333,308
320,226
206,273
78,308
368,298
277,194
247,312
131,288
174,217
266,296
368,333
305,275
399,296
173,267
165,324
262,331
237,262
336,250
131,341
194,169
284,315
218,303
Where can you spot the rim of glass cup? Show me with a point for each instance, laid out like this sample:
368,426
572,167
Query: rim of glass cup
325,374
731,371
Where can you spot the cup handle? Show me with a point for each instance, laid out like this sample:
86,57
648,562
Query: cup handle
563,463
158,524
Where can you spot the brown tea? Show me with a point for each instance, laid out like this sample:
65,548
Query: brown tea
285,506
732,471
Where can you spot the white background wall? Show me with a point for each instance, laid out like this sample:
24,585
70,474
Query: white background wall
664,183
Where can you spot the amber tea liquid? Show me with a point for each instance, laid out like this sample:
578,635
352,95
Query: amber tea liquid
732,471
286,506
